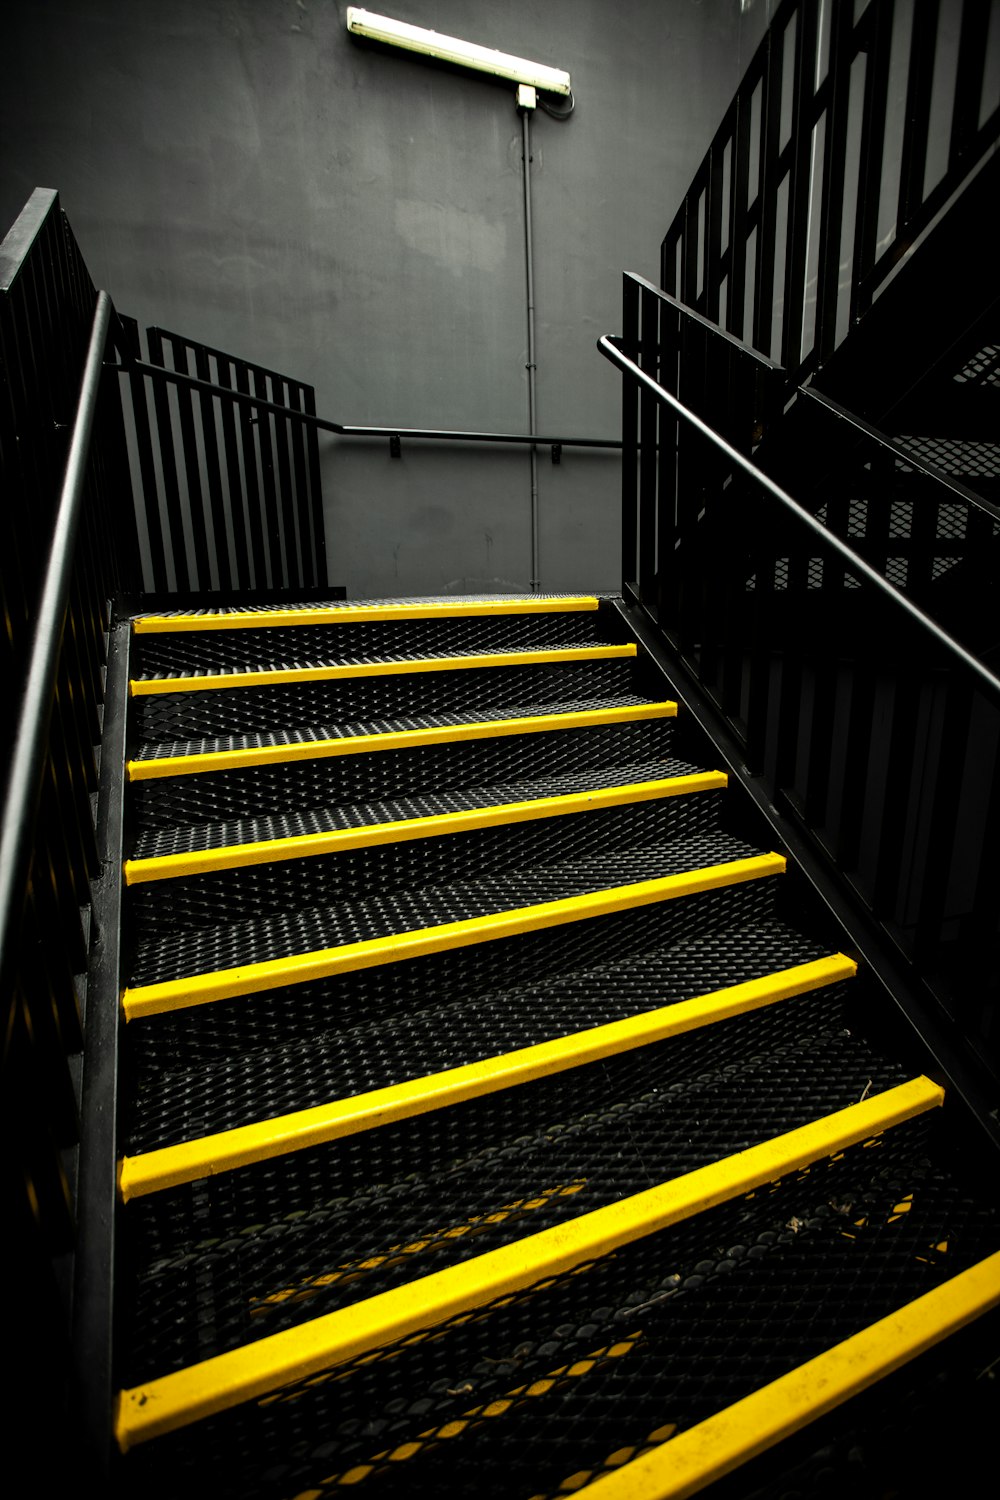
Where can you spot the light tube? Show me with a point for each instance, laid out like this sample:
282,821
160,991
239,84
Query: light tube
453,50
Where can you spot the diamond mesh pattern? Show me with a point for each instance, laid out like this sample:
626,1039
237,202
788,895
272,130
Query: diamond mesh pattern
328,819
591,1369
229,1028
310,645
307,929
182,1099
249,710
185,904
217,796
552,1150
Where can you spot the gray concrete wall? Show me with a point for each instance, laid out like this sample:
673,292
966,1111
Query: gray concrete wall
243,172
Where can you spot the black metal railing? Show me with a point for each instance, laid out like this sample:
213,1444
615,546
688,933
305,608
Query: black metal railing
68,546
869,727
231,498
227,474
852,127
922,529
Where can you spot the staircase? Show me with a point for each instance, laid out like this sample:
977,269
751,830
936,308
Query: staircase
494,1109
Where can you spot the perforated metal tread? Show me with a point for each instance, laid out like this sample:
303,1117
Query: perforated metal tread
517,1401
254,710
540,1155
173,1100
308,929
212,797
276,1017
260,890
157,842
308,645
310,734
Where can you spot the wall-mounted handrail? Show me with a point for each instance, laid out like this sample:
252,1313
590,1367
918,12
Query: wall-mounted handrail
608,346
342,429
28,758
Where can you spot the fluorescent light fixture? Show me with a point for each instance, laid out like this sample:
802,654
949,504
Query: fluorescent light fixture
453,50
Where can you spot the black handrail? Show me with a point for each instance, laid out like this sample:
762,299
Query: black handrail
29,754
899,451
342,429
608,346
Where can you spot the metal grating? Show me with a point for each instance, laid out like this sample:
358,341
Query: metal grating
164,907
255,710
174,1099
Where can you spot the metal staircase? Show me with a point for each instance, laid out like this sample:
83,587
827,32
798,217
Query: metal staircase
490,1113
527,1045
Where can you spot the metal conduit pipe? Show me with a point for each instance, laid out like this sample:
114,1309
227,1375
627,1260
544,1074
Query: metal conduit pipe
529,271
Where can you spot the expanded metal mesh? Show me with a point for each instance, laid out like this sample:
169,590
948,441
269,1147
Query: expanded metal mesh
542,1392
531,1157
193,652
250,710
307,929
164,907
176,1099
216,796
157,842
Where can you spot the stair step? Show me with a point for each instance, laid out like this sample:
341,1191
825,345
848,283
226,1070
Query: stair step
579,1377
539,963
418,1084
294,947
167,708
257,1369
458,606
362,765
392,858
185,851
249,641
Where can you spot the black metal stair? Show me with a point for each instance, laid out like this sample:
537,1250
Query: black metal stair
489,1058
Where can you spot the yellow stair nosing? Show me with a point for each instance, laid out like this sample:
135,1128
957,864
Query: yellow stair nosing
259,1368
715,1447
144,687
225,1151
199,989
449,734
351,614
309,845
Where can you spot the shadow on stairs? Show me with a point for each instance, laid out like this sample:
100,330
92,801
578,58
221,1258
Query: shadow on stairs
497,1119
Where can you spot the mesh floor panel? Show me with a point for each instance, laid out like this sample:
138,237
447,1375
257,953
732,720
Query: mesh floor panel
216,796
651,1339
308,645
307,929
228,1027
549,1151
247,710
200,1096
169,906
158,842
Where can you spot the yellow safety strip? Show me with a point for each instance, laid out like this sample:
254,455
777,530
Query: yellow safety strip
185,1396
270,851
353,614
226,1150
721,1443
143,687
404,739
301,968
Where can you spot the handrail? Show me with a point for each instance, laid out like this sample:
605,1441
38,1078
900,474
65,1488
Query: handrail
325,424
720,334
29,757
608,346
900,451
